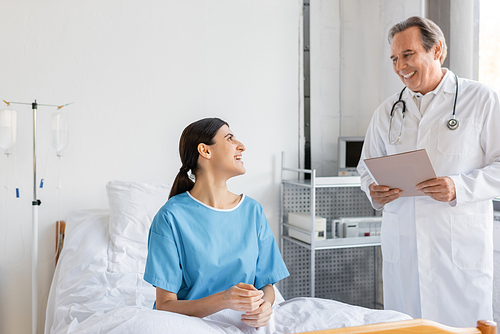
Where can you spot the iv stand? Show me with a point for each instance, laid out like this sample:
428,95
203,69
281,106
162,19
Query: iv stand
34,259
35,204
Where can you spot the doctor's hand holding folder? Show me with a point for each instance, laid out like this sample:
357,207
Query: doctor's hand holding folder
407,174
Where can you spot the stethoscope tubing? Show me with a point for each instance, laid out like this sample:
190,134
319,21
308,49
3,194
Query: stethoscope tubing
391,118
452,124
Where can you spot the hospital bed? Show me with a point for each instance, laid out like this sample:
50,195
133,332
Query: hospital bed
98,287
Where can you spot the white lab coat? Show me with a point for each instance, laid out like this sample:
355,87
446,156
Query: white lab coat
438,257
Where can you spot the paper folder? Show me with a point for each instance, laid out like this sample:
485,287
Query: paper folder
403,171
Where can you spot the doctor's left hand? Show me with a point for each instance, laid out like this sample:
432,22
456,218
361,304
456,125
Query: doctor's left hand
441,189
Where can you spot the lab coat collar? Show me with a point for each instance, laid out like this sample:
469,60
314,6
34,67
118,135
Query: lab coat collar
449,82
446,88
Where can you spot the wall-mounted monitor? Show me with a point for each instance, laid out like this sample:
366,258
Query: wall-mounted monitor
348,155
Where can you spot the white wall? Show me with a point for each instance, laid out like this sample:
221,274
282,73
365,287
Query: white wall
139,73
351,73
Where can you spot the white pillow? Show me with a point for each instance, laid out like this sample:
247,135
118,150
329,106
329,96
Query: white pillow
132,208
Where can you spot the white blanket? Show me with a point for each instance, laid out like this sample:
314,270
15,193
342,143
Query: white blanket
86,298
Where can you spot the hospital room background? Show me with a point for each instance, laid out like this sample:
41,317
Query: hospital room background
139,72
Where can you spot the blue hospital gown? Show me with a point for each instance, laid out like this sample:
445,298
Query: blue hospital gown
195,250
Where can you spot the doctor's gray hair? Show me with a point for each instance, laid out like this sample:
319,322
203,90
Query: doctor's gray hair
430,33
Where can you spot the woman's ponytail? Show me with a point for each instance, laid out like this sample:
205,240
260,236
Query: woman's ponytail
182,182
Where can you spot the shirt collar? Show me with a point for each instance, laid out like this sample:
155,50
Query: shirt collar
215,209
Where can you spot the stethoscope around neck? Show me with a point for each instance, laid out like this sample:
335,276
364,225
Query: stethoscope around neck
452,124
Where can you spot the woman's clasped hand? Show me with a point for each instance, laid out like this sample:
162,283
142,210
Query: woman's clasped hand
246,298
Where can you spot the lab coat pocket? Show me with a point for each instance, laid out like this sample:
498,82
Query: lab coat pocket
461,141
389,237
471,242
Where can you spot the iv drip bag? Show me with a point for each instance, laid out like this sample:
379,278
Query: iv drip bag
8,129
59,131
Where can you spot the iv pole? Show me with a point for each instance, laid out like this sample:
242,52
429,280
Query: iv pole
35,204
34,259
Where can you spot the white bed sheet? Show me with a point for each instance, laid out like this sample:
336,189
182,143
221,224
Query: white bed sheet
86,298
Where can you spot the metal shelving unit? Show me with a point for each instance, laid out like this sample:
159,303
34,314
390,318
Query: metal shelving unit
332,197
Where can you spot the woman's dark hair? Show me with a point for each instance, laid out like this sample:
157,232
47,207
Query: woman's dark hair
202,131
430,33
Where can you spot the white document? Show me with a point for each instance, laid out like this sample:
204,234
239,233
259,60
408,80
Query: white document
403,171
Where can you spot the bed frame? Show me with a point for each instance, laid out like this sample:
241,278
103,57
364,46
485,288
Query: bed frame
60,233
414,326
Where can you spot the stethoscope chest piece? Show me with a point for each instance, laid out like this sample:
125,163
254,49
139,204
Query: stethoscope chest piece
452,124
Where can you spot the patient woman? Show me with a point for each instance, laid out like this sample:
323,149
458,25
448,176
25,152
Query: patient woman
210,249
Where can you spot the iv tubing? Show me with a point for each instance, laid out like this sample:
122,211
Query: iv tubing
58,227
14,264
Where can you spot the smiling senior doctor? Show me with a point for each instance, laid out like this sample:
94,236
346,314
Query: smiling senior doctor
437,249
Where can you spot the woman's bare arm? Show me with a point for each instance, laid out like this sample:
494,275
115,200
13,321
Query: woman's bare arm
241,297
